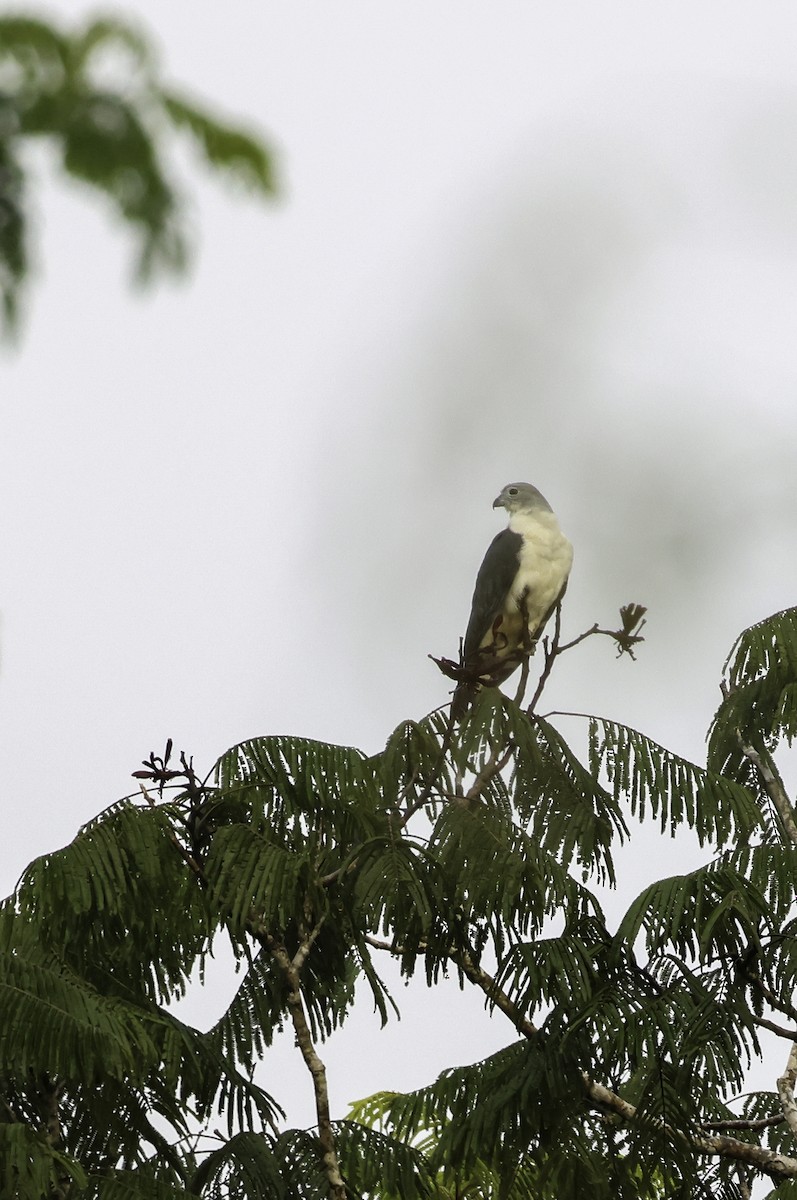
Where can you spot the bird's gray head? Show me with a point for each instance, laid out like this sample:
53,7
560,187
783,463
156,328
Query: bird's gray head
521,497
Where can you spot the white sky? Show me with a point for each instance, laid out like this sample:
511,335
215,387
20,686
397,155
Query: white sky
514,241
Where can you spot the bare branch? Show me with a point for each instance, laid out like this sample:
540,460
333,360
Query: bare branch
777,1166
300,957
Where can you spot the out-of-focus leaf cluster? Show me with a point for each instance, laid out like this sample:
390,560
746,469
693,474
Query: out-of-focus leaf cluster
94,94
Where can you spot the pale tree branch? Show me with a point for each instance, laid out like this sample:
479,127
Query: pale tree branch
494,994
291,972
773,786
786,1090
768,1162
491,768
777,1166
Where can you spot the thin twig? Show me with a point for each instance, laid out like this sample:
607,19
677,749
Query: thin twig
742,1124
551,653
788,1034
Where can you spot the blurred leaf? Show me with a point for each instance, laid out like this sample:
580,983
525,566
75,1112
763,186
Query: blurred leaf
112,136
228,149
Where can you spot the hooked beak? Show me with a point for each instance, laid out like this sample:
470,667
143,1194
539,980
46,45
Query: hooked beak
498,502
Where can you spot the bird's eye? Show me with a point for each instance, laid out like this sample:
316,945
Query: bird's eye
512,491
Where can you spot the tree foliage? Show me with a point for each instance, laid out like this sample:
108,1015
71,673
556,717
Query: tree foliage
110,136
478,851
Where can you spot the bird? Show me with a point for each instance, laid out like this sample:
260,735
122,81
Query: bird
521,581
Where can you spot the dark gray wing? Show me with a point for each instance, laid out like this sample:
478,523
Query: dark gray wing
495,578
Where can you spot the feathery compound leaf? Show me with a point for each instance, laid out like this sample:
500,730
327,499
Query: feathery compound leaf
568,810
411,761
769,645
491,1112
107,902
30,1168
672,789
246,1166
392,885
495,872
760,696
244,157
53,1020
564,972
249,877
375,1164
110,136
307,793
136,1185
714,910
493,723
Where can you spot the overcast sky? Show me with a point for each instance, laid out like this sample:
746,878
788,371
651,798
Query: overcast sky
515,241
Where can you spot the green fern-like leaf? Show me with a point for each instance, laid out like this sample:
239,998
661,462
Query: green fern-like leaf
569,812
674,791
759,706
309,794
713,910
30,1167
245,1166
494,871
106,899
111,139
375,1164
412,763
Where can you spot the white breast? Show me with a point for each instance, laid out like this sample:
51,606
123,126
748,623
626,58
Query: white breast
545,561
